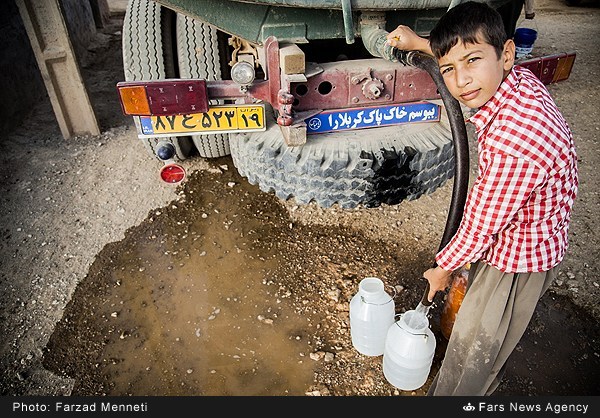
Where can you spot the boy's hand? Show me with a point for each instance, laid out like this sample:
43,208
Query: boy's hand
439,279
405,39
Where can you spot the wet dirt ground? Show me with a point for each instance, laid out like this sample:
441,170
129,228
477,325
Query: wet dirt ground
222,293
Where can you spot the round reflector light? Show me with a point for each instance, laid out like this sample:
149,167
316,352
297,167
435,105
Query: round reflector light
243,73
165,150
172,173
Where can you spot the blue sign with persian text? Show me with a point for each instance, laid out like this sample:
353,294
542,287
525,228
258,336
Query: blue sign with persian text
360,118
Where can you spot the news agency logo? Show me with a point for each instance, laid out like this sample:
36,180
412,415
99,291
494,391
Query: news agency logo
468,407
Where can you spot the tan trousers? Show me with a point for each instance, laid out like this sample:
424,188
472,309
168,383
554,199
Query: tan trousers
492,319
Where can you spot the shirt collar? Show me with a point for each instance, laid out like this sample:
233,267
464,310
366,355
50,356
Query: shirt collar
488,111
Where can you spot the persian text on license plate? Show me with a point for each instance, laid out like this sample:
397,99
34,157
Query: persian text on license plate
218,119
360,118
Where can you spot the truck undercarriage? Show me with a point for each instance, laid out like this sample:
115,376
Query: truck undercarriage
307,98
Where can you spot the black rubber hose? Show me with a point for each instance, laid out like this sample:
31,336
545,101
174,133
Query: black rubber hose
461,146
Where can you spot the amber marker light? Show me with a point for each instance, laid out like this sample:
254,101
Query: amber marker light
134,100
564,67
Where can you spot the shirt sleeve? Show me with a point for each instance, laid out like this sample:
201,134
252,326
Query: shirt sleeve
504,184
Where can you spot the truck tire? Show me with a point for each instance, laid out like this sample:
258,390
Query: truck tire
369,167
148,55
198,57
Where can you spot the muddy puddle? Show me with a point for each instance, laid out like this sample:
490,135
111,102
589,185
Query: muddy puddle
185,306
220,293
215,294
199,316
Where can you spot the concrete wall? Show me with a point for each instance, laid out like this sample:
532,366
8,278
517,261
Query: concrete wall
21,84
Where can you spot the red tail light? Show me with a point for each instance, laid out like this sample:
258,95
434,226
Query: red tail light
172,173
175,97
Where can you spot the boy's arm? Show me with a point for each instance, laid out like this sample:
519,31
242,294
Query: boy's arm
405,39
439,279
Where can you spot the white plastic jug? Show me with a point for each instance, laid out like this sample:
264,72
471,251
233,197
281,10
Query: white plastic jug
409,349
372,311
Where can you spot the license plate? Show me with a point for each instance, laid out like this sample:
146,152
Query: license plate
372,117
218,119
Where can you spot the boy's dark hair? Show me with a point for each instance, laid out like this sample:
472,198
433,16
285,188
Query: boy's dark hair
464,23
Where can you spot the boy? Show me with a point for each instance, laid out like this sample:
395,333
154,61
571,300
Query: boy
517,213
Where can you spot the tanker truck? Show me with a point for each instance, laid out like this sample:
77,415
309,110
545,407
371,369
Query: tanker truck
304,95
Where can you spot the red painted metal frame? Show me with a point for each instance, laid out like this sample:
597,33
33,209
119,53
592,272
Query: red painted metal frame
550,68
348,84
340,85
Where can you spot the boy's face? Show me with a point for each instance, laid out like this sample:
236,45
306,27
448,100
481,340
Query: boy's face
473,72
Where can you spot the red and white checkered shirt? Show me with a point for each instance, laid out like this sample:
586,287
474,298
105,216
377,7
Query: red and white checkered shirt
517,213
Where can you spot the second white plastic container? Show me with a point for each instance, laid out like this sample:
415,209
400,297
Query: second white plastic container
372,311
409,349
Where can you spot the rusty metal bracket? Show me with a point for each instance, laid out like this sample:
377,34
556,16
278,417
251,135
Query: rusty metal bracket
293,130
